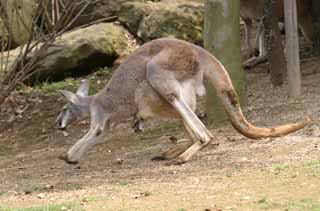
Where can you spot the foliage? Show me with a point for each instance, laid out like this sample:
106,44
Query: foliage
48,23
51,207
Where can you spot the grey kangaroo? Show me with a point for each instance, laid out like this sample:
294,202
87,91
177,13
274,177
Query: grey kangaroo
251,11
161,79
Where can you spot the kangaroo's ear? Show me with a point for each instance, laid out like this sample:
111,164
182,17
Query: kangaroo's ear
73,98
83,89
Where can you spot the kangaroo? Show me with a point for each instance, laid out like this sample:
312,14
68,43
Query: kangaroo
161,79
251,12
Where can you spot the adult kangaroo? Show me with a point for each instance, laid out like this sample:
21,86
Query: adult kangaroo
252,13
161,79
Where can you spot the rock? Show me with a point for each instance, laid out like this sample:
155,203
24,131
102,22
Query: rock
80,51
40,195
179,19
20,25
96,10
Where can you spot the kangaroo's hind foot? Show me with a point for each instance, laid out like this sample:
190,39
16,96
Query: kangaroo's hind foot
172,153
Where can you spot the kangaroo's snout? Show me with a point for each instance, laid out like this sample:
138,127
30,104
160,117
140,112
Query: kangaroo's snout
59,124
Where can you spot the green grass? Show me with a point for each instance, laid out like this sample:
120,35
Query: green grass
303,205
306,204
51,207
123,183
314,167
68,84
280,167
98,80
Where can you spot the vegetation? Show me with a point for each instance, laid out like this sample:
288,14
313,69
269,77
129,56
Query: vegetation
50,207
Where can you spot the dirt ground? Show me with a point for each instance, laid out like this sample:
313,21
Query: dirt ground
239,174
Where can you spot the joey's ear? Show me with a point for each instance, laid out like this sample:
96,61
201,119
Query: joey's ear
73,98
83,89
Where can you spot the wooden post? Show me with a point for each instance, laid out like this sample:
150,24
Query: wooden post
292,48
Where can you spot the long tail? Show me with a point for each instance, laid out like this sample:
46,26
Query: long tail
220,79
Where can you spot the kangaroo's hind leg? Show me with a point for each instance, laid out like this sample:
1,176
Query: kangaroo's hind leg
165,83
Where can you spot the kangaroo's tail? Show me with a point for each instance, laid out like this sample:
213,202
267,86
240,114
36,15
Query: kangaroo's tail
219,78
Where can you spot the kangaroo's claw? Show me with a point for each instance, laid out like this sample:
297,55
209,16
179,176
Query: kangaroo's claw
176,161
159,158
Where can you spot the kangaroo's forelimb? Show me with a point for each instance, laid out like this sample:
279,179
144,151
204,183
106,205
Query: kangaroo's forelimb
98,122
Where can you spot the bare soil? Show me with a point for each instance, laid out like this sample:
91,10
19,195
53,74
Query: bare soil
239,174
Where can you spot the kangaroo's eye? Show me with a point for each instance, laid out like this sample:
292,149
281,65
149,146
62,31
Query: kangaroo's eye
65,110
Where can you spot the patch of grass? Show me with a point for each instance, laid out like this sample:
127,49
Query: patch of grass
315,167
280,167
264,204
93,198
123,183
181,209
97,81
72,186
51,207
68,84
33,187
306,204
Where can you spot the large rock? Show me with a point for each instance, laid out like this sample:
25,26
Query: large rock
85,49
81,51
19,25
95,10
179,19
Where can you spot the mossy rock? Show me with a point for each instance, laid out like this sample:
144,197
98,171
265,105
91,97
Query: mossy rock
179,19
84,50
78,52
94,11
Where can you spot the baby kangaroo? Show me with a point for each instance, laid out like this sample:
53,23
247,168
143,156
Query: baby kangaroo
160,79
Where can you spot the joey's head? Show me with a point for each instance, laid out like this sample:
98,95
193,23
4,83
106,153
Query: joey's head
76,108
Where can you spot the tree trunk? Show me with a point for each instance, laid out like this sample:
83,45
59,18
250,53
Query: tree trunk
292,48
222,39
276,57
316,17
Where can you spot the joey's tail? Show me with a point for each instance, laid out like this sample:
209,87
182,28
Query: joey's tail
219,78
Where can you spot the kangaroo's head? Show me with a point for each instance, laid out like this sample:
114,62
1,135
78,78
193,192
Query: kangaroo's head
76,108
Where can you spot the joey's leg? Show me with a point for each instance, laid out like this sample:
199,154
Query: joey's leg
259,49
262,44
248,30
91,138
